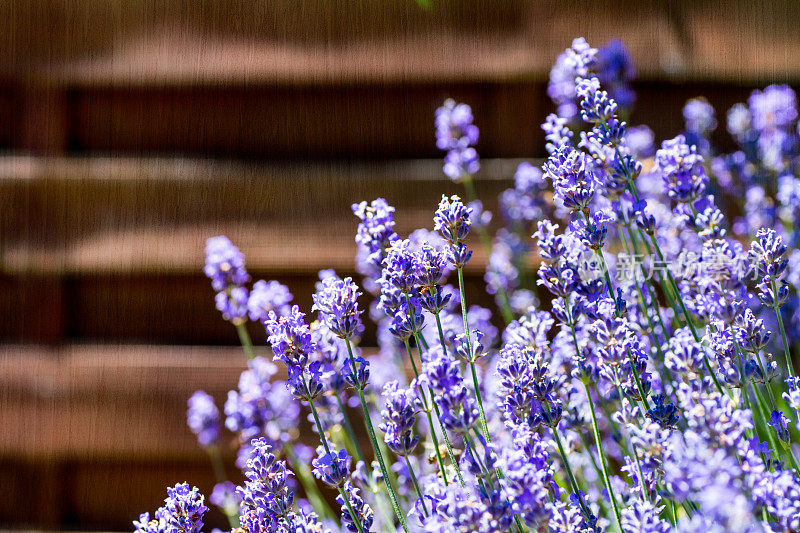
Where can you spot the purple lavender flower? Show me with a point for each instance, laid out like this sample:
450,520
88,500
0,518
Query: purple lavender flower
528,476
402,267
663,412
305,382
363,512
290,337
443,375
615,70
359,376
461,162
573,176
375,234
576,61
644,517
751,334
682,170
456,134
203,418
556,131
233,303
260,408
266,493
774,107
778,493
699,117
432,267
640,141
596,105
332,468
184,509
146,525
452,219
769,255
266,297
779,423
224,264
594,231
454,127
399,408
337,303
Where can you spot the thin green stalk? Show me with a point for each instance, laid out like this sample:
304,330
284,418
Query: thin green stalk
324,440
376,448
438,415
350,509
760,403
599,443
573,483
349,429
643,302
484,425
772,400
632,451
426,407
416,485
786,354
244,338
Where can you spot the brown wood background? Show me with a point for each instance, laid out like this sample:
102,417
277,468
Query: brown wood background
131,131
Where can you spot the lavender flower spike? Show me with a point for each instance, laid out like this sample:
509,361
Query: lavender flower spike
224,264
203,418
184,509
337,303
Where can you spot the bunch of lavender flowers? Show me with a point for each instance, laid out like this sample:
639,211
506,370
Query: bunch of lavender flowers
648,402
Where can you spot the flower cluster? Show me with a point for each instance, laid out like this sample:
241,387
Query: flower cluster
625,382
456,134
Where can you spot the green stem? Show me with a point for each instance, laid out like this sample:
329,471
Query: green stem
376,448
573,483
688,318
426,407
416,485
484,425
760,402
599,443
324,440
439,416
786,354
244,338
349,429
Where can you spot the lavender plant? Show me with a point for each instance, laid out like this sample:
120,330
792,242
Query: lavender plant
633,387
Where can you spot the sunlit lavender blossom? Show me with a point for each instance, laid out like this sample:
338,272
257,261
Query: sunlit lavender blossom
183,509
398,414
332,468
337,303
